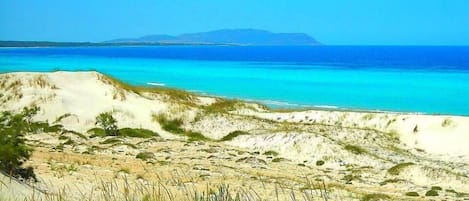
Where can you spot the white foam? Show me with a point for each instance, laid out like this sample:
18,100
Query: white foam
326,106
156,84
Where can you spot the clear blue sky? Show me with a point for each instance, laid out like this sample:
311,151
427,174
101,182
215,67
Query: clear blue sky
335,22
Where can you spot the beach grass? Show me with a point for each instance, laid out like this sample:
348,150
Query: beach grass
175,126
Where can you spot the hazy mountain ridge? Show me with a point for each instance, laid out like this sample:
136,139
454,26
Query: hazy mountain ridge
228,36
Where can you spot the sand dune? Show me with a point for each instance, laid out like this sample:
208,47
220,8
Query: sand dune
357,151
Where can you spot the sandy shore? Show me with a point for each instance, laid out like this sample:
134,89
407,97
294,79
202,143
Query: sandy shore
357,150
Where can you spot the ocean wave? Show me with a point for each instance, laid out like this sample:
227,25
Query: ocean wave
326,106
276,103
156,84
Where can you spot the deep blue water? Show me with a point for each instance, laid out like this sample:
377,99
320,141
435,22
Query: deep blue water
407,79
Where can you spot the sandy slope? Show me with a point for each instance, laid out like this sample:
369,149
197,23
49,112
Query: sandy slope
436,145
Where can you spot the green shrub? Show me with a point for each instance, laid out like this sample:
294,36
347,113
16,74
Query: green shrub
107,122
447,122
69,142
58,119
53,129
271,153
436,188
276,160
196,136
173,126
13,149
125,132
375,197
137,132
114,140
431,193
232,135
355,149
395,170
96,132
145,155
416,129
319,163
222,106
412,194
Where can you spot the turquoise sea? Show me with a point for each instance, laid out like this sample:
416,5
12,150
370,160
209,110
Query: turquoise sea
402,79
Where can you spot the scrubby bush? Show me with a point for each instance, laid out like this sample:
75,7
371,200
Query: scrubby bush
125,132
137,132
396,170
222,106
412,194
107,122
96,132
174,126
170,125
276,160
319,163
431,193
436,188
145,155
447,122
232,135
13,149
271,153
355,149
375,197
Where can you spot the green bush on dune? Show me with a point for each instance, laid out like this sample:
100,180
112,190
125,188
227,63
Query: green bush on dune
108,127
170,125
174,126
124,132
136,132
232,135
107,122
13,149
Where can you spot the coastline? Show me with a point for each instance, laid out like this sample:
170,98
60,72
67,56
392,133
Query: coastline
238,141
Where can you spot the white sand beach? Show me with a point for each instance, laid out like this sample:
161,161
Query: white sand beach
352,154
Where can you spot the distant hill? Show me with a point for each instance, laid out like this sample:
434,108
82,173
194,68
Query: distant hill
227,36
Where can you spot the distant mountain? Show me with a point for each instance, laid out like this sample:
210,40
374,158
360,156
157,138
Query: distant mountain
227,36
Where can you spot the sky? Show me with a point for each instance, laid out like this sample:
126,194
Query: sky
332,22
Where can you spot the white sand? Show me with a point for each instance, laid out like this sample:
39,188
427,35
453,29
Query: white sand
439,144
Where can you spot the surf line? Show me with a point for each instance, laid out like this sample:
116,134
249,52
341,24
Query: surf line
155,84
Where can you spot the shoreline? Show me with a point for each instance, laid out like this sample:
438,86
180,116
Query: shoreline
228,142
282,106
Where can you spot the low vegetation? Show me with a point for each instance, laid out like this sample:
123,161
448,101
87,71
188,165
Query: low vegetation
145,155
108,123
233,135
412,194
271,153
13,149
447,122
172,94
431,193
124,132
175,126
319,163
109,128
355,149
436,188
221,106
375,197
136,132
396,170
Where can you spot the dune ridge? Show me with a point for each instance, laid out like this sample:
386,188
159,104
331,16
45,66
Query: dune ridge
354,154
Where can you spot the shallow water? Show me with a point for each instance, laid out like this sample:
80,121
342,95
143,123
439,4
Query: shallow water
407,79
